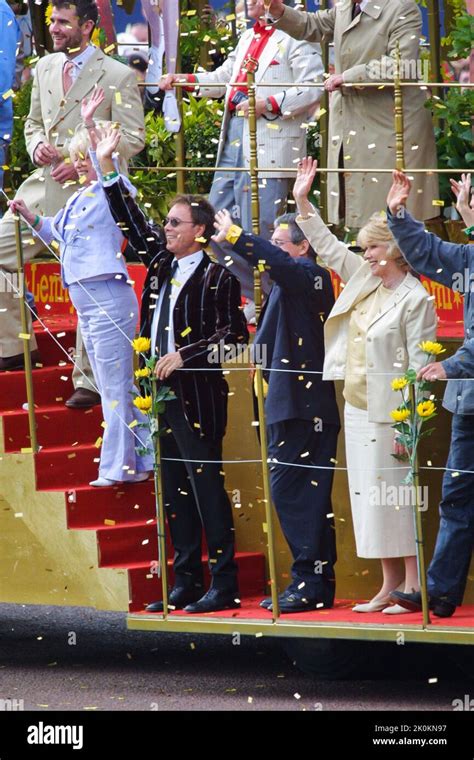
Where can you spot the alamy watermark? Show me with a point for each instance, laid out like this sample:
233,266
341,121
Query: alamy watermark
384,495
12,282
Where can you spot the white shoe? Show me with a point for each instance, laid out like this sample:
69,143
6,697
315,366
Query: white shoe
102,482
395,609
139,477
373,606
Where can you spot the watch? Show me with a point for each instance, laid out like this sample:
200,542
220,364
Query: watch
268,106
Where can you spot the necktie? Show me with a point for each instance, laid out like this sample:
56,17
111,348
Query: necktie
67,76
164,319
355,10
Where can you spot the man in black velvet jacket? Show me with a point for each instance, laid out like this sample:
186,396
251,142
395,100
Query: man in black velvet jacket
189,304
300,408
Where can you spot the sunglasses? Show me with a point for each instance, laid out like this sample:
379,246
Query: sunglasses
171,220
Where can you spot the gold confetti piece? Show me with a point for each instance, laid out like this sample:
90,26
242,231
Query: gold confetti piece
98,442
109,522
185,332
118,98
24,336
26,451
201,239
192,645
432,680
258,635
437,203
464,124
297,696
271,125
8,94
133,424
109,48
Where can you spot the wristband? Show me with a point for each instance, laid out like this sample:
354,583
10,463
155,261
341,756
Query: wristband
233,234
36,221
109,176
89,126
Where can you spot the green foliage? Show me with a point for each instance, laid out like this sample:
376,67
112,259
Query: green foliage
454,136
19,160
461,36
197,34
201,124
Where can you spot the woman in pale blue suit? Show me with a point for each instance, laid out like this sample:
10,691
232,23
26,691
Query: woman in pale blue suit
94,270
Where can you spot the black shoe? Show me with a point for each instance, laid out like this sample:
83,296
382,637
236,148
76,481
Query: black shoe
267,602
412,602
82,398
214,601
12,363
297,601
179,598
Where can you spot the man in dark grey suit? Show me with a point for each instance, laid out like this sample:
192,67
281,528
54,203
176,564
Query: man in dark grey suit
300,408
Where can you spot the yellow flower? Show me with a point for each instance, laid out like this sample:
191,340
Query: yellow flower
143,403
432,347
425,408
399,383
140,345
47,14
95,39
146,372
400,415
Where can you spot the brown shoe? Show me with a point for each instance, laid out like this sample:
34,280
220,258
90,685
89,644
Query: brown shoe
10,363
83,399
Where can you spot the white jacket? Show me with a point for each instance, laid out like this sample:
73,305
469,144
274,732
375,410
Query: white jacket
408,317
281,142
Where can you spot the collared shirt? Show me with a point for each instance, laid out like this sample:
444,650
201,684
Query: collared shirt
80,60
261,35
186,267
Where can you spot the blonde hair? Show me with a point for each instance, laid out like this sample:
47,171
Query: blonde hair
376,232
80,141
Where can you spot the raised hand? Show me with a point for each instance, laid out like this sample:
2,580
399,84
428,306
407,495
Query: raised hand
399,192
305,175
222,223
462,191
276,8
108,141
90,106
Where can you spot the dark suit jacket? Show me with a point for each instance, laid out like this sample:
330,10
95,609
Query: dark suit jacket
290,334
209,303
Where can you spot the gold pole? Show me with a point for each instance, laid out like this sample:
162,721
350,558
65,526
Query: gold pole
324,131
159,501
399,154
267,492
434,37
179,137
251,66
420,546
26,340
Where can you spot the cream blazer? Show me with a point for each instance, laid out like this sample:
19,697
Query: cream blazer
407,318
54,117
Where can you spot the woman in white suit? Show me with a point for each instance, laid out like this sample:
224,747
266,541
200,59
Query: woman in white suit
372,335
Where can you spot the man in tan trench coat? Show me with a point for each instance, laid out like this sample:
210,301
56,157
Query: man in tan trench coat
53,117
361,119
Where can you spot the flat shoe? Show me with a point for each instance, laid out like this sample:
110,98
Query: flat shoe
103,483
373,606
395,609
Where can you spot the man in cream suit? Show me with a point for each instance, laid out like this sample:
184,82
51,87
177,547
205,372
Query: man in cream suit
361,119
61,81
281,111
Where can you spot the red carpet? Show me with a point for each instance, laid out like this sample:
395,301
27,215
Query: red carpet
124,516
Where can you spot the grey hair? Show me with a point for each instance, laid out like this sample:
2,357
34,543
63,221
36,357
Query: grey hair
296,233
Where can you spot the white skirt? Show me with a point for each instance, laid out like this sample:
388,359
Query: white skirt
382,508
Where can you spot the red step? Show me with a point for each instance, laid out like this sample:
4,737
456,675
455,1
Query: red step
88,508
48,387
145,586
60,469
125,546
63,331
56,426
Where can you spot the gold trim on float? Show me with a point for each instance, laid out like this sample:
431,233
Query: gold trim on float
305,630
